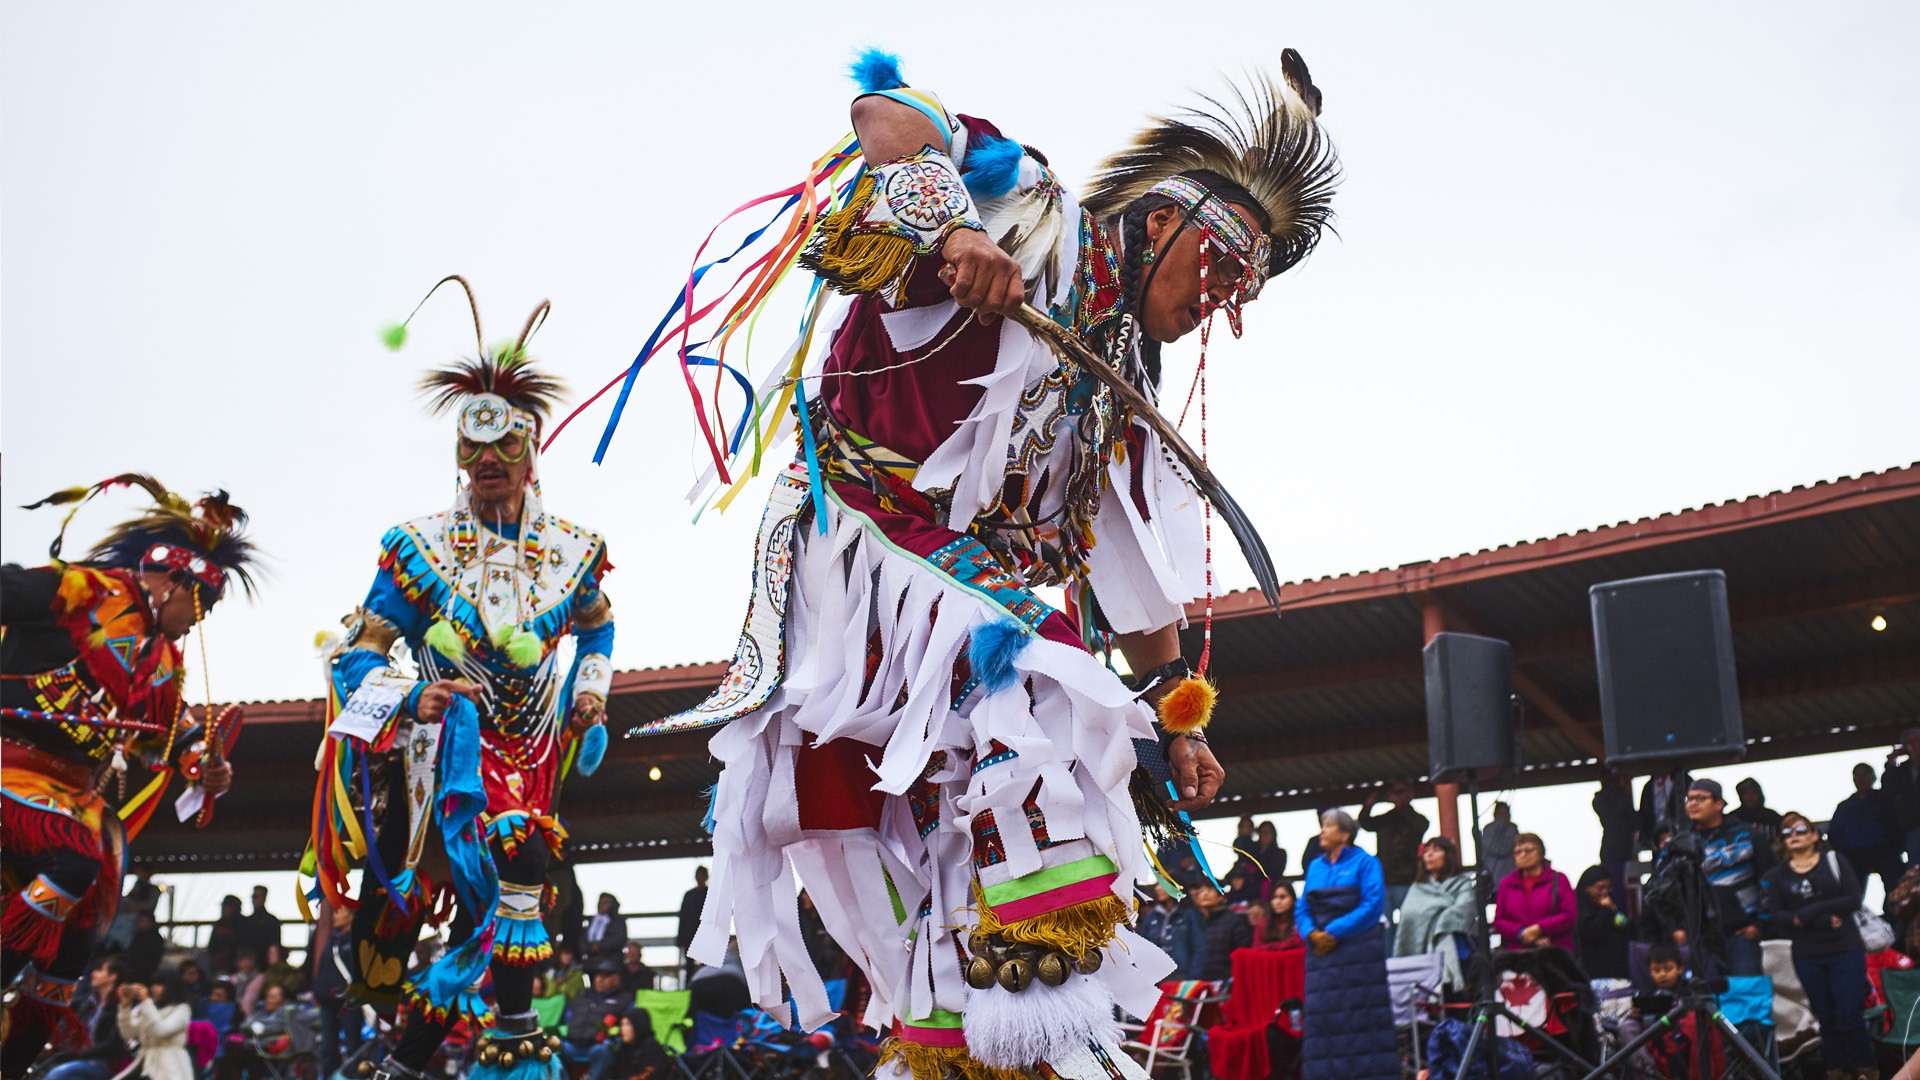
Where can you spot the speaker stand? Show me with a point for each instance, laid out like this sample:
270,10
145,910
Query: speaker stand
1487,1004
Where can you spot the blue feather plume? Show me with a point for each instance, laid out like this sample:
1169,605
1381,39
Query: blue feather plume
593,747
991,650
993,166
875,71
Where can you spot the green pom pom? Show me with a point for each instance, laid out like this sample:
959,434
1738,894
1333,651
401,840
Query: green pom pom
394,336
442,638
502,634
525,649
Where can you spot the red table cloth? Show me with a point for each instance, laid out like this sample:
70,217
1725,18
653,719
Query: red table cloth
1262,979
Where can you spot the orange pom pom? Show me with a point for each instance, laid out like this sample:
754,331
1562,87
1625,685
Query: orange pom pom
1189,706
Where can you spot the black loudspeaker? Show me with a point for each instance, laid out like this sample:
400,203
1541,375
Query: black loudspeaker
1469,706
1668,696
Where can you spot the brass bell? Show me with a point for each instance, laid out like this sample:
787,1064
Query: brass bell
366,1068
980,973
489,1053
1089,961
1052,969
1016,974
553,1042
546,1054
506,1061
979,942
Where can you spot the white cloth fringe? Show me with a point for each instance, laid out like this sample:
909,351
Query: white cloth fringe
1069,719
1018,1031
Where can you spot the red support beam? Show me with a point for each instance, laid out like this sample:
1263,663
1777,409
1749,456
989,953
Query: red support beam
1829,497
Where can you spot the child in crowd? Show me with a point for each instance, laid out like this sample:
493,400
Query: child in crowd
222,1011
1673,1053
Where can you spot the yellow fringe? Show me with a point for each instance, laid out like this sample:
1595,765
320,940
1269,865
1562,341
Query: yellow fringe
855,262
1076,930
1189,706
940,1062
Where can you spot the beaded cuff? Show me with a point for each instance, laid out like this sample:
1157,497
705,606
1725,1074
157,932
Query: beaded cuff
898,211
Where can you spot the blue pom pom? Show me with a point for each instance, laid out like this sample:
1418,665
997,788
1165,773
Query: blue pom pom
876,71
991,650
993,166
593,747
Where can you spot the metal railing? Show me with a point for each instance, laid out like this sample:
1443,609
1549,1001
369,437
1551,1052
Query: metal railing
660,952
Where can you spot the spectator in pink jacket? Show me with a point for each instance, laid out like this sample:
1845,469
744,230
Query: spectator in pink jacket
1535,904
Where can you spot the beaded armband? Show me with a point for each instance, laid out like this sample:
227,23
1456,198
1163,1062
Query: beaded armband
922,197
898,211
593,676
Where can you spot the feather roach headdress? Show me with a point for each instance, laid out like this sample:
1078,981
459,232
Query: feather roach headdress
204,539
497,392
1265,137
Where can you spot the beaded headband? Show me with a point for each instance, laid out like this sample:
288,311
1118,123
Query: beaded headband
187,561
1251,247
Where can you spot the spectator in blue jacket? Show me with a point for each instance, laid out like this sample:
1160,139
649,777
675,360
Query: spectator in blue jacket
1734,863
1865,831
1349,1013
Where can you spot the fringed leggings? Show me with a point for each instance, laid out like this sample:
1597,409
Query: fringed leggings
61,892
421,1035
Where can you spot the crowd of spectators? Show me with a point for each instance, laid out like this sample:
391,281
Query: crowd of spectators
148,1003
1761,873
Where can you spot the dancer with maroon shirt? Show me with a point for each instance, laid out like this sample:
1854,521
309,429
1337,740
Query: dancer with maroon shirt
932,749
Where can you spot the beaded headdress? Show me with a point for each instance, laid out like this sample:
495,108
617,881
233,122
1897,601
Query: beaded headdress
497,393
1266,137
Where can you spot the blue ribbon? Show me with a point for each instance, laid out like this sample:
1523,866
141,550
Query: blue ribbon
460,798
813,457
681,296
746,387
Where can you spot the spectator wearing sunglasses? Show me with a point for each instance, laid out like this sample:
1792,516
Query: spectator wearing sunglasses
1809,900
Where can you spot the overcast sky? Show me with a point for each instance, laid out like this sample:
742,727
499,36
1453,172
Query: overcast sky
1593,262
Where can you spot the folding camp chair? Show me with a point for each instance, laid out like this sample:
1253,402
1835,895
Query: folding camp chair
551,1012
716,1048
1167,1040
668,1009
1415,988
1748,1003
1903,1005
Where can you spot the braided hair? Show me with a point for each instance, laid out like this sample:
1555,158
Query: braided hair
1131,226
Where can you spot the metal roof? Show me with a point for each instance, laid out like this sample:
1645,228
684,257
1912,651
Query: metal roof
1328,699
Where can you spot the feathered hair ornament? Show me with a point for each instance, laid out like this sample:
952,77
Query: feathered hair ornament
204,539
496,392
1265,137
